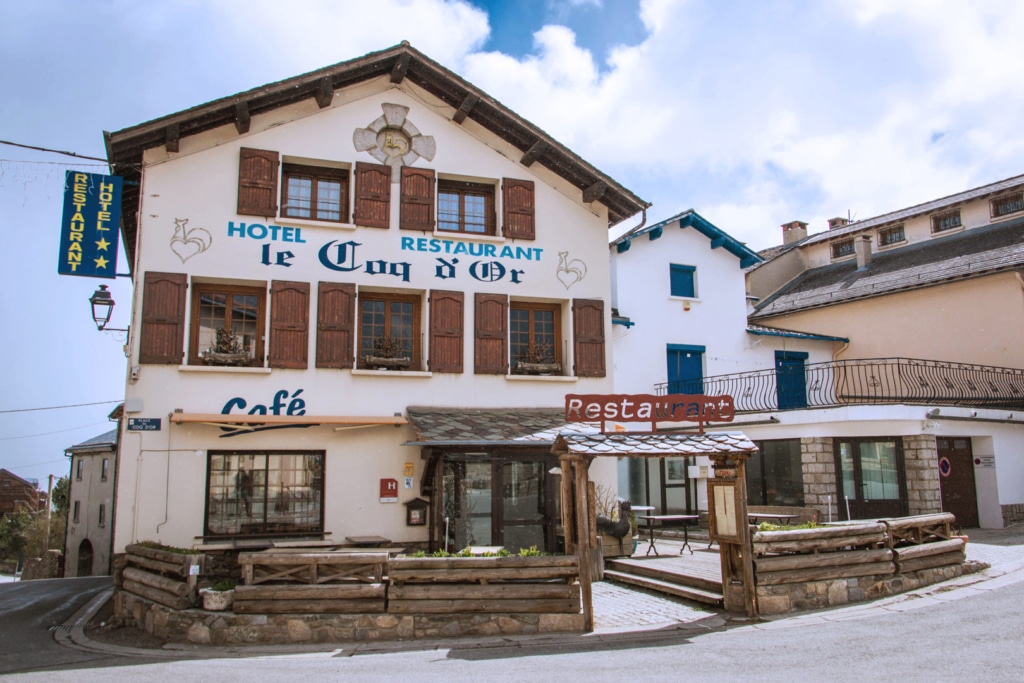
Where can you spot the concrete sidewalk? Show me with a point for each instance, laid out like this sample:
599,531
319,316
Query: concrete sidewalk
623,616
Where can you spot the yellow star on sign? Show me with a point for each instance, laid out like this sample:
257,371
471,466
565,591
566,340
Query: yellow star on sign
101,262
102,244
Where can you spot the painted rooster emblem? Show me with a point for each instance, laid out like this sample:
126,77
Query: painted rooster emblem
570,271
186,243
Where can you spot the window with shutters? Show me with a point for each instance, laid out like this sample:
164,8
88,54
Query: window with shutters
588,337
335,331
682,280
315,193
289,325
162,338
518,209
447,320
490,348
257,182
227,325
373,195
465,207
534,336
389,331
417,205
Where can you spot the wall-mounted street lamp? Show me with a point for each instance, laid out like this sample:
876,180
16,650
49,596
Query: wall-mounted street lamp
102,306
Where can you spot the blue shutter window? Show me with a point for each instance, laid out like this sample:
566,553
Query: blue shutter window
683,279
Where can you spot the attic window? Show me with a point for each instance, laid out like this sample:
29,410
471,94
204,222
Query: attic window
946,221
890,236
842,248
1007,204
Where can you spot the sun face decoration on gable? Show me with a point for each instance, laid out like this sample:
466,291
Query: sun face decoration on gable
393,140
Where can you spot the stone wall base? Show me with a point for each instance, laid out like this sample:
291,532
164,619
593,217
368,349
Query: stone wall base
49,566
226,628
1013,514
813,595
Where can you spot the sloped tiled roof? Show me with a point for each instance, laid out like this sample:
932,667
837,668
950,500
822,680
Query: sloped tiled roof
106,439
972,253
490,426
656,444
766,331
916,210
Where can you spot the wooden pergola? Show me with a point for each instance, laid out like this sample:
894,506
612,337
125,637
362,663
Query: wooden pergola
727,499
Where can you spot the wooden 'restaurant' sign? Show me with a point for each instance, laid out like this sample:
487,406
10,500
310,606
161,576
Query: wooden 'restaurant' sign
648,408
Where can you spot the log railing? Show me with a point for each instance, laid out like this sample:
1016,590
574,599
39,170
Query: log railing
162,576
311,583
450,585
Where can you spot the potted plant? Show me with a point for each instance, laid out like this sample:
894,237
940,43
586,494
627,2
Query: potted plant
226,350
537,359
220,596
387,355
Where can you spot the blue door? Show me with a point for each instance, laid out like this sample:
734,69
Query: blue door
791,379
685,369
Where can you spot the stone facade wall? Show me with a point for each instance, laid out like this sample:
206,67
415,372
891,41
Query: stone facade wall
1013,514
794,597
921,464
819,470
226,628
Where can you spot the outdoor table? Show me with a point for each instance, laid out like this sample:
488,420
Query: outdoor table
685,519
368,541
757,517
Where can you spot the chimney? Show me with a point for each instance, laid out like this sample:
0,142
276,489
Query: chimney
834,223
862,247
793,232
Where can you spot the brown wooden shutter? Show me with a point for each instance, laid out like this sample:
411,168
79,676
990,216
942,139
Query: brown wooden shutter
162,339
490,355
588,333
257,182
447,312
373,195
417,199
517,209
335,333
289,324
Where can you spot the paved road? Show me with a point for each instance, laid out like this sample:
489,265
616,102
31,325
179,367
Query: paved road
30,609
970,633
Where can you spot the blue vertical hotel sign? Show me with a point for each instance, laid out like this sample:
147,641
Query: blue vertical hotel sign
89,229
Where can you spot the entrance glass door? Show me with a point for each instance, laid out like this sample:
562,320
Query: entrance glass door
871,481
498,500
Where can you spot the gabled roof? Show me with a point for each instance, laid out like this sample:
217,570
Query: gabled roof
125,147
107,441
25,482
692,219
916,210
969,254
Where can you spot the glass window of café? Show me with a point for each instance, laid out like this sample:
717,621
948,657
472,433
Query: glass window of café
775,474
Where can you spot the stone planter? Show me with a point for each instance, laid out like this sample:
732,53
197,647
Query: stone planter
217,601
381,363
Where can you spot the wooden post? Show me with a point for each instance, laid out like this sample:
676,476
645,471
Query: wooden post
583,548
747,549
568,528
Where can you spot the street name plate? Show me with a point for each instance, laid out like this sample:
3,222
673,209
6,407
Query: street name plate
144,424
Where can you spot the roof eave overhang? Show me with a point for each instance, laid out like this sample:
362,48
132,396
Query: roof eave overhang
125,147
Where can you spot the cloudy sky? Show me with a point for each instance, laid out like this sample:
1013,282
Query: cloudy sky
752,112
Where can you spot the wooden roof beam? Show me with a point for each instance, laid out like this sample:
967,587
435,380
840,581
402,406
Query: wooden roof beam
595,191
242,118
400,68
467,105
536,150
325,92
171,135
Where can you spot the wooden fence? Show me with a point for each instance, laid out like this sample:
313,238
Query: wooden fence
891,546
311,583
161,576
450,585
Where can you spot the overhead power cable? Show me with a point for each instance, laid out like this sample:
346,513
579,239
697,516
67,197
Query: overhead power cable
74,405
52,151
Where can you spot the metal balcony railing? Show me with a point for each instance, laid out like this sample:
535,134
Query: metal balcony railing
868,381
